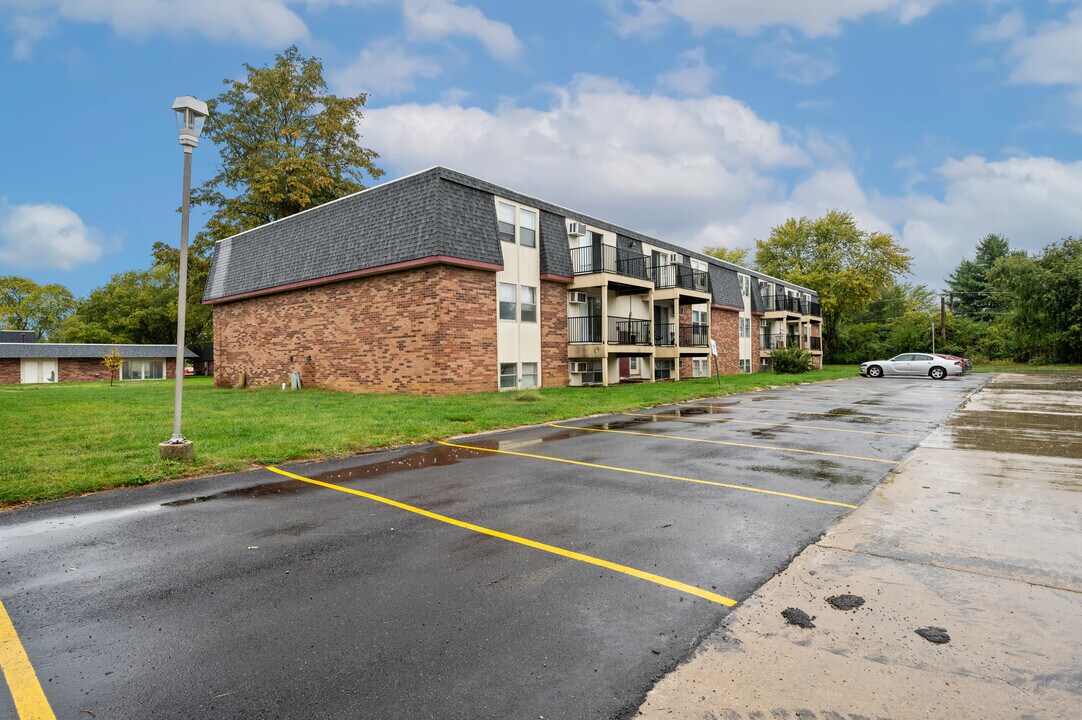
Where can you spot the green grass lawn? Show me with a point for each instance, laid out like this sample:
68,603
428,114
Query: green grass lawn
74,438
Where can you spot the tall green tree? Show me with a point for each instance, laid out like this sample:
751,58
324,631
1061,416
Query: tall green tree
1043,298
847,266
26,305
736,256
286,143
970,284
137,306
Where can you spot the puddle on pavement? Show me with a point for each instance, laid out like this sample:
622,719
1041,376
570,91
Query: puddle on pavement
437,456
826,471
1017,432
843,413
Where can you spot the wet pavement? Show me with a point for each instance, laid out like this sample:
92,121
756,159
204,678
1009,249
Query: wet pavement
969,562
252,595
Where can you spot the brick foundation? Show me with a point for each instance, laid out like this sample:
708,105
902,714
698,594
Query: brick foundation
553,334
756,343
428,331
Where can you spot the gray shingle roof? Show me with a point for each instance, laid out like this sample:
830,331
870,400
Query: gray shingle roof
87,350
18,336
726,286
436,212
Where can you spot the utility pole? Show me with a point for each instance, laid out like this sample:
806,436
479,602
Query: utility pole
943,319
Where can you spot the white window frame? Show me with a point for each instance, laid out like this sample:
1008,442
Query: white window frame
520,372
700,367
700,317
517,223
145,369
523,291
513,376
500,301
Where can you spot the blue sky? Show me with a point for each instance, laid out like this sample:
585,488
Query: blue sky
699,121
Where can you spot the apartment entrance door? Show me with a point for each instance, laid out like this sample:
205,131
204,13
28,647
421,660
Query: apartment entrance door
625,368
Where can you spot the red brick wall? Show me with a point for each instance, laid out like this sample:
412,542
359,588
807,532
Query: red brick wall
553,334
10,371
756,342
685,361
725,330
428,330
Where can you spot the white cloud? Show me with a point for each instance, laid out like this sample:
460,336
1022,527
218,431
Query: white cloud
822,17
1007,27
437,19
1050,55
652,162
384,68
792,65
268,23
693,77
44,236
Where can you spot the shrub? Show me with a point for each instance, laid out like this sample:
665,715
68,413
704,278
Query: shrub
791,360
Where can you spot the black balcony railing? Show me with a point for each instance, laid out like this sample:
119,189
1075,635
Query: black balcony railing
584,329
606,258
695,335
670,275
810,307
664,334
629,331
793,341
783,302
815,343
773,341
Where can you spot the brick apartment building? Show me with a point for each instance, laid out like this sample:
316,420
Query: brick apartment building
440,283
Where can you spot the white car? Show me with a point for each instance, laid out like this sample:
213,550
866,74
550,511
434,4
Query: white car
932,366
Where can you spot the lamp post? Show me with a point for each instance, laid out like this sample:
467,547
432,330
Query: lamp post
190,115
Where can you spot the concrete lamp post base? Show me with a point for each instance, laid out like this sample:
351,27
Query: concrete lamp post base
180,451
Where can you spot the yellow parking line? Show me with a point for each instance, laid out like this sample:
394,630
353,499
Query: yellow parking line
792,425
726,442
650,577
812,412
26,692
746,488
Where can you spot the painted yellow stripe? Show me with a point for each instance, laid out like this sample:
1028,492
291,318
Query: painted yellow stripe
615,567
726,442
26,692
770,424
746,488
808,412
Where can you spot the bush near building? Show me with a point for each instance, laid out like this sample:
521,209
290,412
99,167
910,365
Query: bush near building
794,360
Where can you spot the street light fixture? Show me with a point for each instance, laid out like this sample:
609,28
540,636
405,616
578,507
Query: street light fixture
191,114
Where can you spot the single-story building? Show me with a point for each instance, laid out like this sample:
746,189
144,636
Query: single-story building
34,362
439,282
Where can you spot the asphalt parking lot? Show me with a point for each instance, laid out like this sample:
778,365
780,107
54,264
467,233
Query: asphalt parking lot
549,572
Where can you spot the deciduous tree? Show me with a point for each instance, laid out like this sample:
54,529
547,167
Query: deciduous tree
25,305
736,256
848,267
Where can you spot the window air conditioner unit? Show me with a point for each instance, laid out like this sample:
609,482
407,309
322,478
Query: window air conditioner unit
576,297
580,367
577,229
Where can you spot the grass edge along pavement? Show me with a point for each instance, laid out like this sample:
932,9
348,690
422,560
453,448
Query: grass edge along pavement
75,438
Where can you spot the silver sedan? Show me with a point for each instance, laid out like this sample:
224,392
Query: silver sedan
912,364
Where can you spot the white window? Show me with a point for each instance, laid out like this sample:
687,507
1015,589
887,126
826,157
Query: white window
508,376
745,366
663,369
634,364
528,303
508,304
505,221
527,228
698,317
142,370
700,367
529,375
745,285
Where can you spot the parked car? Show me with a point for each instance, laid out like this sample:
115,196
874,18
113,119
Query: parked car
189,370
967,364
934,366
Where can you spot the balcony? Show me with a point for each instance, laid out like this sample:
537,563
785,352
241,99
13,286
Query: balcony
812,309
783,303
695,335
584,329
608,259
772,341
675,275
665,334
629,331
815,344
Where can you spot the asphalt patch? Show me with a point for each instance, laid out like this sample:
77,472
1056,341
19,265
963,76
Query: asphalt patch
796,616
846,602
935,635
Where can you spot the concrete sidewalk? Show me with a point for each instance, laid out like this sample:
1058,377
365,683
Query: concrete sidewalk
978,533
